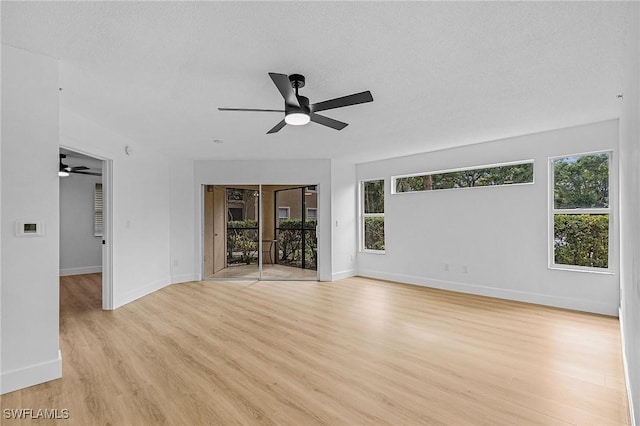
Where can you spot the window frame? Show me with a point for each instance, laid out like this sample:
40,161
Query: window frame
610,211
288,209
315,209
463,169
364,215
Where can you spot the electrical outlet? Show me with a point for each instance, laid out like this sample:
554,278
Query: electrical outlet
445,267
175,262
465,269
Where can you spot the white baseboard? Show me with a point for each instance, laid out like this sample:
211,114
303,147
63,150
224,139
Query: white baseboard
31,375
184,278
325,277
343,274
627,378
140,292
501,293
80,271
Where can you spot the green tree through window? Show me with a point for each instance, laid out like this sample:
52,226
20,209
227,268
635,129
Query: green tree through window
581,210
373,215
487,176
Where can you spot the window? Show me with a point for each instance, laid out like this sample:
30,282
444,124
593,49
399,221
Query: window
97,210
312,213
581,211
283,212
372,224
493,175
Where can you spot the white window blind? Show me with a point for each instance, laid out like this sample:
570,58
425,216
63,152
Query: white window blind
97,210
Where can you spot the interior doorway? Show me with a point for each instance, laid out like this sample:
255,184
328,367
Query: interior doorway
85,220
264,232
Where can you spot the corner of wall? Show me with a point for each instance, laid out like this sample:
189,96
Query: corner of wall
184,278
343,275
140,292
343,219
629,211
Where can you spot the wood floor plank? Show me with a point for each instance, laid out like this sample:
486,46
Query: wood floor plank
352,352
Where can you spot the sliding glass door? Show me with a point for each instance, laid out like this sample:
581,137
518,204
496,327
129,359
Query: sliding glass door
263,232
243,233
293,249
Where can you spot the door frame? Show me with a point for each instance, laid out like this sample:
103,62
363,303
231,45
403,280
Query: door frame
213,247
107,235
107,225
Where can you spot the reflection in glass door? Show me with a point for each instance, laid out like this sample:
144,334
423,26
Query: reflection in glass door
260,232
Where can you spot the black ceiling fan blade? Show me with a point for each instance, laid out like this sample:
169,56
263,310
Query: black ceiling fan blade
85,173
326,121
277,127
356,98
77,168
286,90
250,109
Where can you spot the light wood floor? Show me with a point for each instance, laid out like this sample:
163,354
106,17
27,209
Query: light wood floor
356,351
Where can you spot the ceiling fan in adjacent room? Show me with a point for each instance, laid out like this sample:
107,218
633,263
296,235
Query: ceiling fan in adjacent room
297,110
64,169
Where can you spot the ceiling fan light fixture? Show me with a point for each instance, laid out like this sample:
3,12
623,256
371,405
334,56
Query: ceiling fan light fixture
63,173
297,118
297,109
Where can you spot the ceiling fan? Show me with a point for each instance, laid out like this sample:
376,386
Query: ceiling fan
64,170
297,110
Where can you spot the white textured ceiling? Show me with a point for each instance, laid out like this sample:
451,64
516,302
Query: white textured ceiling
441,73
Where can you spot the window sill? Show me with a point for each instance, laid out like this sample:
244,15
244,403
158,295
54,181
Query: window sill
579,269
372,251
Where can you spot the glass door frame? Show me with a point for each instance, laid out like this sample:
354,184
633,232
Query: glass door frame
303,217
261,225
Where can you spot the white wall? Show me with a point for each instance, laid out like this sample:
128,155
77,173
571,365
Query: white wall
498,233
141,206
183,219
80,249
1,137
344,223
630,210
271,172
30,352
